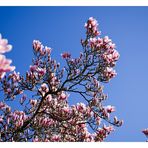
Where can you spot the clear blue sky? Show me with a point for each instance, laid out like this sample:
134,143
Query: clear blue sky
62,27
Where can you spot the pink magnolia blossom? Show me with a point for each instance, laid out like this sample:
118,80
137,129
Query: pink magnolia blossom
109,73
23,98
63,96
17,118
36,70
33,102
116,55
98,120
92,27
4,46
49,99
5,66
116,121
66,109
103,132
81,107
110,108
44,88
96,43
111,58
46,122
2,105
33,68
15,76
37,46
108,128
48,50
55,138
41,71
106,40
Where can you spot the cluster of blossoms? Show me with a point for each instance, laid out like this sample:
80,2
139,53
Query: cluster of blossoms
101,48
92,27
46,114
4,63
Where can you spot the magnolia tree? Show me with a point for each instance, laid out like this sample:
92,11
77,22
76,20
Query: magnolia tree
45,113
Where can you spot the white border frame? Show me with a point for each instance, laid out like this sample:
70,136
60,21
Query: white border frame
73,3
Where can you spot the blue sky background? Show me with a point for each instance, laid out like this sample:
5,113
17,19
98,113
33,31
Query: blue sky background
61,28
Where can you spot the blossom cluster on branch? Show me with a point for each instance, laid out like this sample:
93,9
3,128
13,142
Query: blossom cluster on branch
47,115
